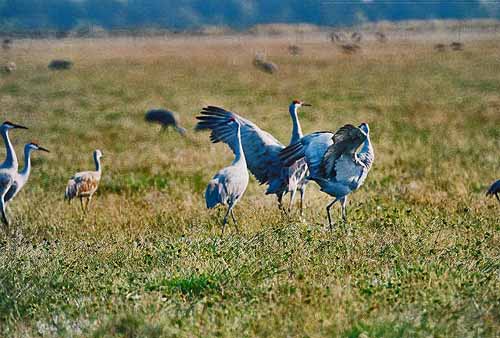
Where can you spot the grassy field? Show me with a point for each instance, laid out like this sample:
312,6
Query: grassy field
419,256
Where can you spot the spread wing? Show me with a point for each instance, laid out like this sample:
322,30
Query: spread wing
261,148
346,141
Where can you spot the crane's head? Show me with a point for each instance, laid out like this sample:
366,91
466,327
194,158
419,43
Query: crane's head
364,127
298,104
35,146
98,154
9,125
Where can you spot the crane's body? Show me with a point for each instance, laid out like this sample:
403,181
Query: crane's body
165,118
261,149
333,161
8,169
21,178
229,184
84,184
494,190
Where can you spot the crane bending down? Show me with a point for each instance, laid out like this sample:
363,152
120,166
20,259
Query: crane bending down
21,178
494,190
333,161
165,118
84,184
261,150
229,184
8,169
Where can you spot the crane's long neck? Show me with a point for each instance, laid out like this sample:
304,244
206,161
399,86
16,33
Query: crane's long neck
11,159
366,154
239,157
97,162
296,130
25,173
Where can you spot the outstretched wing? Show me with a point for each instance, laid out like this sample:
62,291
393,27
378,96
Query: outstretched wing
345,142
261,148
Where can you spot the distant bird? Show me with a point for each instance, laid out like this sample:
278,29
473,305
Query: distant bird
261,150
84,184
440,47
294,50
350,48
261,63
338,37
9,67
229,184
457,46
494,190
333,161
8,169
165,118
60,64
6,44
22,177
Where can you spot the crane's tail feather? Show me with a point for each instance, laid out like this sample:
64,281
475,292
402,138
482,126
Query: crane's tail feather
291,154
70,191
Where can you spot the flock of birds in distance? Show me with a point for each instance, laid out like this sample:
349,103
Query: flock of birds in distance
338,162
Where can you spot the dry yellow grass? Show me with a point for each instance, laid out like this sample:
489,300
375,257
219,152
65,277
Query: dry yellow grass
418,257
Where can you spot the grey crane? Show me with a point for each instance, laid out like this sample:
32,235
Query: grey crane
229,184
165,118
8,169
84,184
21,178
494,190
333,161
261,150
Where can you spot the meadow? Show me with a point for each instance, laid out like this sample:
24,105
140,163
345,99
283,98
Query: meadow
418,257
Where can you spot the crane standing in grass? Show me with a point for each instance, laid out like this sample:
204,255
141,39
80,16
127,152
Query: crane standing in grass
21,178
165,118
494,190
84,184
333,161
261,150
8,169
229,184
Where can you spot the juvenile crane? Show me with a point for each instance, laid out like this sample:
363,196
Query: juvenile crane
229,184
261,150
84,184
8,169
21,178
494,190
333,161
165,118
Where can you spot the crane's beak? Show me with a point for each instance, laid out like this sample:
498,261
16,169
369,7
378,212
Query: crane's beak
19,126
43,149
306,105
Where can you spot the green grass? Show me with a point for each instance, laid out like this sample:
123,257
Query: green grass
418,257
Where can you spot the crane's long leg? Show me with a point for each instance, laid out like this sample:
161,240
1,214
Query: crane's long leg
328,213
89,199
343,202
292,198
302,193
82,204
498,198
234,220
4,216
224,221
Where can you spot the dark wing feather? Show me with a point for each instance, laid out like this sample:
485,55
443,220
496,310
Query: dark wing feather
345,141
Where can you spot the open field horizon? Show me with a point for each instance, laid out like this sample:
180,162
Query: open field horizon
419,255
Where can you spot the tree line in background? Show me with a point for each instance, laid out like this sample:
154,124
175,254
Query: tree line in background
66,15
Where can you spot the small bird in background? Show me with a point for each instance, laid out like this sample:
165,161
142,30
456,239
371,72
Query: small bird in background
22,177
165,118
84,184
8,169
334,162
494,190
229,184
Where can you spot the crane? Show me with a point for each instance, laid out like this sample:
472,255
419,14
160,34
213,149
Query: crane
8,169
333,161
261,150
84,184
229,184
21,178
494,190
165,118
